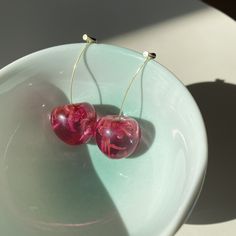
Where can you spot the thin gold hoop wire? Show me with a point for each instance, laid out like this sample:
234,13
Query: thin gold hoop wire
149,56
89,40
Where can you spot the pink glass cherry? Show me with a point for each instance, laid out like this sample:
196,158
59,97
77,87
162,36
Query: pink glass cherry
74,123
117,136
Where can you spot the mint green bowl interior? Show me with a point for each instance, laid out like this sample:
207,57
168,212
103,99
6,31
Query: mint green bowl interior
51,189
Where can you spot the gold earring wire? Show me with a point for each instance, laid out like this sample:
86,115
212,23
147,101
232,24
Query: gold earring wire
149,56
89,40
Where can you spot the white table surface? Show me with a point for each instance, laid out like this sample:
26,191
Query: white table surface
196,42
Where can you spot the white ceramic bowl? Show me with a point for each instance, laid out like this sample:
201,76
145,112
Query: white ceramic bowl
51,189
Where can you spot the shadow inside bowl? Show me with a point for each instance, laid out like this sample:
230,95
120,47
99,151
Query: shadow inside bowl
47,187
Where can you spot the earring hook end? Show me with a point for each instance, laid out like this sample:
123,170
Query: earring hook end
89,39
150,55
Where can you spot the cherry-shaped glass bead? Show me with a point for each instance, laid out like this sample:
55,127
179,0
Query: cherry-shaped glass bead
74,123
117,136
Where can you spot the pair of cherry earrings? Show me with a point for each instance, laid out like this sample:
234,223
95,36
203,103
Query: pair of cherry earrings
117,136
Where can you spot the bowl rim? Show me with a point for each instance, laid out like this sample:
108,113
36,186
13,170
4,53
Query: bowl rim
190,200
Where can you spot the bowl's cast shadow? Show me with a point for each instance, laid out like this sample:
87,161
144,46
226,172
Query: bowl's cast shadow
217,102
47,187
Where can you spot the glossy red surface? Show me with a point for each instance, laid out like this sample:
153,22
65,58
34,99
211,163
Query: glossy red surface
117,137
74,123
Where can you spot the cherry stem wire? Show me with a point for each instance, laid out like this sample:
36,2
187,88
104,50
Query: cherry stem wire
74,69
131,82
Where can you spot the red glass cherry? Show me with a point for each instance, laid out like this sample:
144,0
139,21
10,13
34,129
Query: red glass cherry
117,136
74,123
